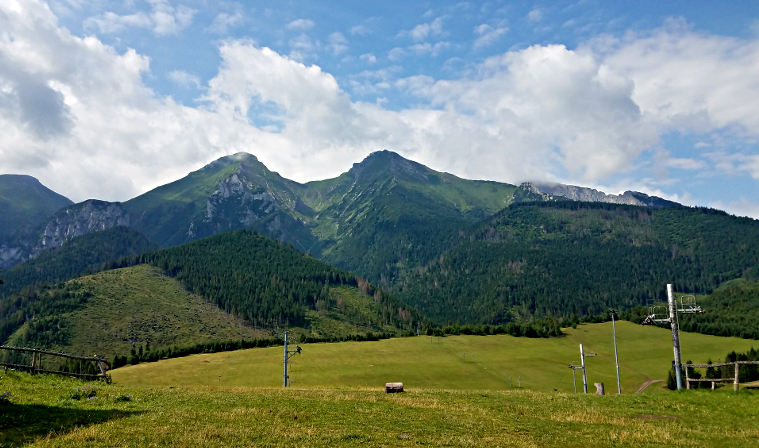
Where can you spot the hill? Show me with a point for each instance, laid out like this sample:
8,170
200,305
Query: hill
114,311
248,280
87,253
268,281
25,204
563,258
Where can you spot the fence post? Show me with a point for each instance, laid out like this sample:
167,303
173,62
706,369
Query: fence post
735,384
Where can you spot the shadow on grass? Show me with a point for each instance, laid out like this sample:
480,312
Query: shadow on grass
22,424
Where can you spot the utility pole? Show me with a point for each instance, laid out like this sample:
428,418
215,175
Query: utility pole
288,354
285,377
673,321
616,358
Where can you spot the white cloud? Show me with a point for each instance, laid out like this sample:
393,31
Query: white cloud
337,43
368,57
183,78
396,54
735,163
422,31
488,35
223,22
164,19
360,30
685,164
692,82
534,16
426,47
302,47
72,107
301,24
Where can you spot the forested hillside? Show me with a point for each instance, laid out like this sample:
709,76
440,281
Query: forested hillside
82,255
263,280
558,259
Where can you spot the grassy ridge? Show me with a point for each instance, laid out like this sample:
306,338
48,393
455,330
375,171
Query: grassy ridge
45,414
127,307
423,362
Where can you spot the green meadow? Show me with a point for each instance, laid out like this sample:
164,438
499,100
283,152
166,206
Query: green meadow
337,399
51,412
453,362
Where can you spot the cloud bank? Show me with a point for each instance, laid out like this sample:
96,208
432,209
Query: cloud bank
76,113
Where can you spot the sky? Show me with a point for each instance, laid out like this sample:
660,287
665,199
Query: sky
109,99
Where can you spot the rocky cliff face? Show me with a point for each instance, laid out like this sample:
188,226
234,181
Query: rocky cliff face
79,219
237,202
584,194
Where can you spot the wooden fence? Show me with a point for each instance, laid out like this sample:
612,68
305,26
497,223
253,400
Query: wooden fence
36,365
716,380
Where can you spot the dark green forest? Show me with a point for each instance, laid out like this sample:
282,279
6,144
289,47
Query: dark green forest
83,255
264,280
563,258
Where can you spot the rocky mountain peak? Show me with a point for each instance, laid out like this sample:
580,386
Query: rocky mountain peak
89,216
389,162
584,194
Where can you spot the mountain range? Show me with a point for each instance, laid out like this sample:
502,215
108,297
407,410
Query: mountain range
456,250
322,218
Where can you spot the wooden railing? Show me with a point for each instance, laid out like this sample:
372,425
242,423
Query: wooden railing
36,365
734,380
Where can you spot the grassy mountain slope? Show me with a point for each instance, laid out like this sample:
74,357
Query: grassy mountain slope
563,258
83,254
385,211
110,312
25,204
231,193
388,212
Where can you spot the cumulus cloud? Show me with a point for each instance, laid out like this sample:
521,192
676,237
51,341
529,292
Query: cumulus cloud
488,35
424,30
360,30
223,22
368,57
396,54
73,108
183,78
162,20
337,43
534,16
301,24
426,47
689,81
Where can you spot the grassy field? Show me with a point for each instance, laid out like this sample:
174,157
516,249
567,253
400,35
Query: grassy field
424,362
50,411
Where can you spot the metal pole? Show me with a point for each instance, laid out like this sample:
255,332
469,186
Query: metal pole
584,376
675,335
574,380
284,378
616,358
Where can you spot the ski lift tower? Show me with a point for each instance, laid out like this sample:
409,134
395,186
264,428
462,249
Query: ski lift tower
288,354
659,314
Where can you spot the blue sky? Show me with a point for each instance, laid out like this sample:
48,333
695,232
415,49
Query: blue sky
109,99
